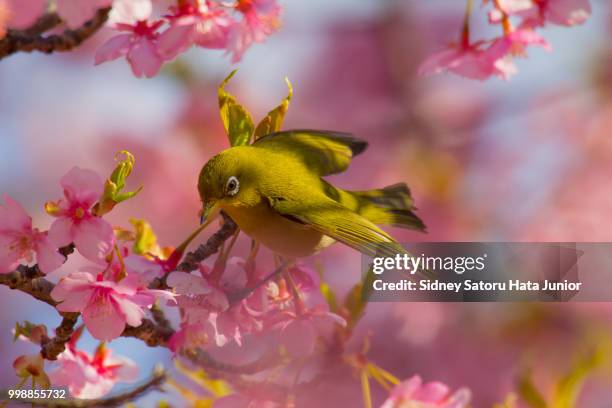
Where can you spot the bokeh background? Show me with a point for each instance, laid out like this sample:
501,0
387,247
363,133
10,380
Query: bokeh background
525,160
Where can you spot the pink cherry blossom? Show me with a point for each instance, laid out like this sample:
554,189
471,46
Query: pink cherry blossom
261,18
89,376
561,12
107,306
300,330
413,392
76,12
469,61
140,44
513,44
208,316
76,223
19,14
18,240
207,25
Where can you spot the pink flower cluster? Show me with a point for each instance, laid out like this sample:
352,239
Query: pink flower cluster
91,376
107,303
19,14
485,58
211,316
75,223
147,42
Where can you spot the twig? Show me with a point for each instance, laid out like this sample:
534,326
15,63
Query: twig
55,346
152,334
158,377
160,317
30,40
28,279
212,245
44,23
202,359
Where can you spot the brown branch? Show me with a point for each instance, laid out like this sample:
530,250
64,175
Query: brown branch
158,377
30,40
202,359
44,23
28,279
152,334
51,348
211,247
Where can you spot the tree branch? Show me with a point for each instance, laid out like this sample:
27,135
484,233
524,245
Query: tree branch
55,346
152,334
211,247
32,39
158,377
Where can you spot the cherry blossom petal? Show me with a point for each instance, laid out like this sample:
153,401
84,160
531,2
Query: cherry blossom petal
61,233
298,337
114,48
460,399
103,319
144,58
434,391
130,11
568,12
82,185
70,283
77,12
47,257
127,371
175,40
132,312
94,238
22,14
13,217
75,301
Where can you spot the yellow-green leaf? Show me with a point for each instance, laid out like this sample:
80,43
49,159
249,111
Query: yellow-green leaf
569,386
113,187
146,241
529,392
357,298
274,119
236,119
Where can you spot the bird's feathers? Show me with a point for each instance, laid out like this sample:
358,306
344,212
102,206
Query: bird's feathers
334,220
322,152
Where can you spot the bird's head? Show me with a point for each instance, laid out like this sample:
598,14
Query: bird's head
226,180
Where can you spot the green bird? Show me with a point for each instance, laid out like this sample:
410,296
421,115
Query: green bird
275,192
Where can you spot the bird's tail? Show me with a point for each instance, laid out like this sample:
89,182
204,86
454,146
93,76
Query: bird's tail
391,205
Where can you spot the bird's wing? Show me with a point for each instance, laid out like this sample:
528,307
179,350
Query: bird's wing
321,151
340,223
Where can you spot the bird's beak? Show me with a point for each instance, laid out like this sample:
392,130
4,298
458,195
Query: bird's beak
209,212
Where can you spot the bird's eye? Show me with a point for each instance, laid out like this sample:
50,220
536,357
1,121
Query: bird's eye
232,186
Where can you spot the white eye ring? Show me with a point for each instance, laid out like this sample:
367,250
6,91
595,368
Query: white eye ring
232,186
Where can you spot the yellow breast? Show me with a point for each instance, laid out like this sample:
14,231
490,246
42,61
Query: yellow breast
281,235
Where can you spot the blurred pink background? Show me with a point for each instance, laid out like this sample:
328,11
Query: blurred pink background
525,160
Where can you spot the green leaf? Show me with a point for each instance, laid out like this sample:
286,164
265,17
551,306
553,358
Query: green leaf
113,187
329,296
356,300
274,119
146,241
236,119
